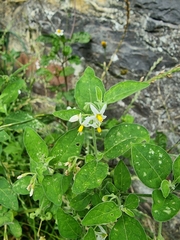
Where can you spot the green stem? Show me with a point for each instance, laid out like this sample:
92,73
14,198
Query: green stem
94,141
159,231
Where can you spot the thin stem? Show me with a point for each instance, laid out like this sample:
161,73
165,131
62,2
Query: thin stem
94,141
159,231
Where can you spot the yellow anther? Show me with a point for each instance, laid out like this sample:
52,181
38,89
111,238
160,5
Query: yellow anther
99,117
80,129
99,130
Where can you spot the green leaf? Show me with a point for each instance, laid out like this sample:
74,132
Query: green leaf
103,213
44,72
15,229
122,177
128,211
132,201
35,146
67,71
67,50
10,93
151,163
4,136
52,188
20,120
90,235
165,188
120,138
6,217
67,225
80,37
68,145
81,201
122,90
176,170
127,228
66,114
90,176
7,197
85,91
163,209
20,186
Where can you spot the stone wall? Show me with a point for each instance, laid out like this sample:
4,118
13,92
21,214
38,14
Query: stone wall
153,32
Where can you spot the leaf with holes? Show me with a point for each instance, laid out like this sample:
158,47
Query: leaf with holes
86,88
90,176
163,209
151,163
120,138
35,145
122,177
68,145
103,213
122,90
67,225
127,228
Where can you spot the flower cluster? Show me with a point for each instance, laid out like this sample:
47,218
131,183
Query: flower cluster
92,120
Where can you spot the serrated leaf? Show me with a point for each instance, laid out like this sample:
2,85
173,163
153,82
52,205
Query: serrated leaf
85,90
163,209
81,201
165,188
80,37
20,186
52,188
176,170
90,235
35,146
66,114
151,163
103,213
68,145
122,177
127,228
120,138
7,197
132,201
122,90
90,176
67,225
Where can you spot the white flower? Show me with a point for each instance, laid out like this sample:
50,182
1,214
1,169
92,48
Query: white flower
59,32
94,120
75,118
101,235
99,115
114,58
